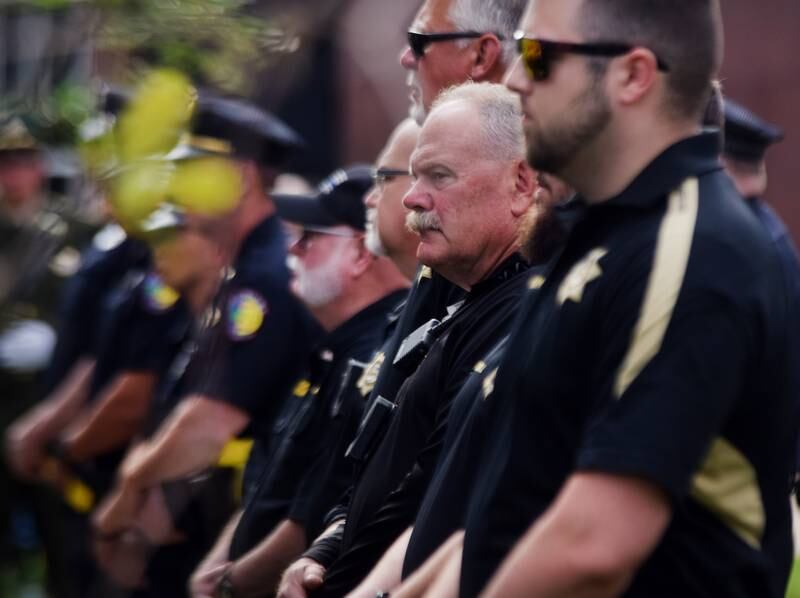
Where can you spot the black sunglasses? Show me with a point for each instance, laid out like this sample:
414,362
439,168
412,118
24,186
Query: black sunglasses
381,176
307,235
538,54
418,42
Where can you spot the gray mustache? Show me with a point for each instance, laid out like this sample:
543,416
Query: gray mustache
419,222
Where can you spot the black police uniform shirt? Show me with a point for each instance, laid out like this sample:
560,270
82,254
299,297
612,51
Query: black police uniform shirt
109,260
656,348
787,254
264,334
145,329
307,471
389,491
429,297
442,510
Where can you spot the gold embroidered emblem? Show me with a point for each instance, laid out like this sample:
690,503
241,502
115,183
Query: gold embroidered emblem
582,273
488,383
536,282
425,272
301,388
368,379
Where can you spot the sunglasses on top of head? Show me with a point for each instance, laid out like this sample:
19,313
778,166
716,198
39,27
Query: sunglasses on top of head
538,54
419,42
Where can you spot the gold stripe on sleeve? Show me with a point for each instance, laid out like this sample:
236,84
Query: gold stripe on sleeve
673,247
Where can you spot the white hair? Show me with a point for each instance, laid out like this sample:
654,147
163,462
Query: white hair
490,16
500,115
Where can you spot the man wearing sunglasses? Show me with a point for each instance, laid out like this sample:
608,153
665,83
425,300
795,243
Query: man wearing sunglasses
453,41
648,443
386,214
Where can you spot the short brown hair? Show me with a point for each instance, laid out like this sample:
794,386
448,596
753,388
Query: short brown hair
685,34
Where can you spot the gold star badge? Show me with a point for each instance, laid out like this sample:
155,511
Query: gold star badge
424,272
367,380
582,273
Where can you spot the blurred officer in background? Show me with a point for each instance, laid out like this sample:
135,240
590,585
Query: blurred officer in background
255,347
352,293
40,241
747,138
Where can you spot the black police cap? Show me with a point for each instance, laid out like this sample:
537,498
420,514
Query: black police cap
234,126
339,201
747,136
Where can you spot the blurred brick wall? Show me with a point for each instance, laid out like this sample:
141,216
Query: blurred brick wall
762,71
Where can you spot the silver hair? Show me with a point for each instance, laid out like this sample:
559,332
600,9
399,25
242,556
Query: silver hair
490,16
500,114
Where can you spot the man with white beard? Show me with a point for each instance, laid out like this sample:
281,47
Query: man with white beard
351,292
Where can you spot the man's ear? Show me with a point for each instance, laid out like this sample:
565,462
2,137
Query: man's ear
524,188
634,76
487,57
251,178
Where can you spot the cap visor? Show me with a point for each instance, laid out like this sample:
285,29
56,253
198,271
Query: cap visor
303,210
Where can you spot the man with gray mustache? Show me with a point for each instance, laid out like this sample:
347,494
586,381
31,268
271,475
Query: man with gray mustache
471,191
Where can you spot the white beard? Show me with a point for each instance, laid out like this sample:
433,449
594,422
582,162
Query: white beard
372,239
416,110
320,286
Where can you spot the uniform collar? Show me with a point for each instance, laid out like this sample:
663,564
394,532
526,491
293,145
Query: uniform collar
377,314
268,230
693,156
513,265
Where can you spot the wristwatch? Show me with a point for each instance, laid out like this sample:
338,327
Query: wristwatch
225,585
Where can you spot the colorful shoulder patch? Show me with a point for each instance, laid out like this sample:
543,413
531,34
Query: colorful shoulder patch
246,312
158,296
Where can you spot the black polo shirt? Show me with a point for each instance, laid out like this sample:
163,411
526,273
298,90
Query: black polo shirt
656,348
428,298
306,470
389,491
442,510
82,313
145,329
263,336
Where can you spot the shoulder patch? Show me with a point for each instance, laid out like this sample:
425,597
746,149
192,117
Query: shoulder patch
581,274
66,262
246,313
158,296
